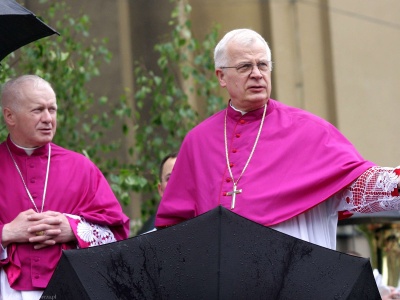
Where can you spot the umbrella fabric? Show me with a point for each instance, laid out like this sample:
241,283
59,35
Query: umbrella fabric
217,255
18,27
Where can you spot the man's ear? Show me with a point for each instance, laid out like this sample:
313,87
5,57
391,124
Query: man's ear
160,191
221,77
8,116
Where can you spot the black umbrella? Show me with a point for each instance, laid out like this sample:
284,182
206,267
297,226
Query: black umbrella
18,27
218,255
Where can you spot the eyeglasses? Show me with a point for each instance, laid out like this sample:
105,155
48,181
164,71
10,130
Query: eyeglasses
247,68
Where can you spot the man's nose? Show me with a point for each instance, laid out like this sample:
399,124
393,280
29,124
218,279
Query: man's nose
255,72
46,116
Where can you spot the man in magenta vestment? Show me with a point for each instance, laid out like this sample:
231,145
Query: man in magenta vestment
50,198
277,165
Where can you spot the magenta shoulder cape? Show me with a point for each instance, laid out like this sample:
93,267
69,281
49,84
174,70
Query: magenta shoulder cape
300,161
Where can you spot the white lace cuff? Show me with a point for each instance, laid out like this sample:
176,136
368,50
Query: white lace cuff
89,234
375,190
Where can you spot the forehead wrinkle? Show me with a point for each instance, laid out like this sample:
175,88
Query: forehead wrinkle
241,53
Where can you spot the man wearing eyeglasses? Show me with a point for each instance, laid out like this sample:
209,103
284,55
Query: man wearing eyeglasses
277,165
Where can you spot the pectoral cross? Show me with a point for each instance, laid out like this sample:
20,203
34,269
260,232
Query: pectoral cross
233,194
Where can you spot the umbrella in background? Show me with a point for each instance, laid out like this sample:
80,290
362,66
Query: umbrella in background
217,255
392,216
18,27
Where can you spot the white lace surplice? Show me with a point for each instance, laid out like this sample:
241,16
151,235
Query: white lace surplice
373,191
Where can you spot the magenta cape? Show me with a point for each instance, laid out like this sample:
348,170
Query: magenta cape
75,186
300,161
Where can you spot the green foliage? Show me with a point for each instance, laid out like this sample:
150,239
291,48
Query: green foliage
163,113
69,62
182,61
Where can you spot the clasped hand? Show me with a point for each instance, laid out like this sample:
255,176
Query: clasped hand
43,229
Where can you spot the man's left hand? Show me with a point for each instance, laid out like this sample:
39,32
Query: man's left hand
50,227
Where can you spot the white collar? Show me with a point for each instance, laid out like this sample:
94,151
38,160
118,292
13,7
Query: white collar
242,112
28,151
238,110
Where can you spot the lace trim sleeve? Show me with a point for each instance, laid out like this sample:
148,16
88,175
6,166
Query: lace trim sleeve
375,190
89,234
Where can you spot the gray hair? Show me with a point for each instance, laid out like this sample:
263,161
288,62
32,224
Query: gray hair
244,37
11,93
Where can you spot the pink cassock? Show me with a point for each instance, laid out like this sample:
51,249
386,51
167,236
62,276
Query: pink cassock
300,161
75,186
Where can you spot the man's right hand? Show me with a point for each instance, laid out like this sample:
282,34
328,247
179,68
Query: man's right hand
17,230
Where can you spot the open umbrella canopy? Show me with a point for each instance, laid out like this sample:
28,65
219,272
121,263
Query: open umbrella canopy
18,27
217,255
